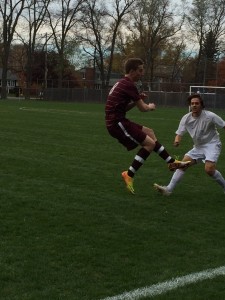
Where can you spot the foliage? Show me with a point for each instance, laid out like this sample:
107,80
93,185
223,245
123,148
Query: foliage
109,32
207,19
69,77
100,24
152,26
210,47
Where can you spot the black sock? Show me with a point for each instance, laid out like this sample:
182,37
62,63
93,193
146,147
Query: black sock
138,161
161,151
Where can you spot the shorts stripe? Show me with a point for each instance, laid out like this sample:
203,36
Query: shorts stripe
126,133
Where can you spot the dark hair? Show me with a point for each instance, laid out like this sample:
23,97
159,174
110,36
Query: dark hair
196,96
132,64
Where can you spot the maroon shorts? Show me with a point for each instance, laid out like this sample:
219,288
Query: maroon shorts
128,133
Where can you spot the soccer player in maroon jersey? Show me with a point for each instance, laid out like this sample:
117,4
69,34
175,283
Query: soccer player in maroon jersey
122,97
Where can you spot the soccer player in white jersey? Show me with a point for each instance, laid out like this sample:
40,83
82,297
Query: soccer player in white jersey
202,126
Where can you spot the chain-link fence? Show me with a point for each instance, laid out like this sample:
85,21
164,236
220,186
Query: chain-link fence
177,99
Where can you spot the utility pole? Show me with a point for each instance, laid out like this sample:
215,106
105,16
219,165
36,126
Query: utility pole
46,62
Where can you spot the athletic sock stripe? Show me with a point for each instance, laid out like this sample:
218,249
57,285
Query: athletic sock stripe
168,158
160,150
132,169
139,159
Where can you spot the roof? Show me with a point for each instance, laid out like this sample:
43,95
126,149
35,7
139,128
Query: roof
10,75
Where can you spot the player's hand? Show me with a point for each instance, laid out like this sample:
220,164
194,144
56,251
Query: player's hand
151,106
143,96
176,144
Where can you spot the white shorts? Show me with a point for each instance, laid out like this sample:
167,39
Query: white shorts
210,152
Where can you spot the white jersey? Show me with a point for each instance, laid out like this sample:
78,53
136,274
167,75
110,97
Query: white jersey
202,129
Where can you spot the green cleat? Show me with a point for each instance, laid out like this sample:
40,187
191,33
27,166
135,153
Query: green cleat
128,181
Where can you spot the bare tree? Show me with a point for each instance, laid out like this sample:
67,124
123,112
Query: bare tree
10,12
198,19
62,19
34,17
100,27
152,24
206,17
175,57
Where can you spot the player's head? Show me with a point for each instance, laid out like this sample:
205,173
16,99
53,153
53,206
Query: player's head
134,69
196,96
132,64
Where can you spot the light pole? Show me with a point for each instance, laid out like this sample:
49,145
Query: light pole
46,62
217,67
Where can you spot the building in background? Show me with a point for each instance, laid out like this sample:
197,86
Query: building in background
12,82
91,78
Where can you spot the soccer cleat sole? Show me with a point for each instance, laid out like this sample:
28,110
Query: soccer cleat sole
178,165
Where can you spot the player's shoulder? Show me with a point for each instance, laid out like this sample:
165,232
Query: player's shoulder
211,116
187,115
125,81
208,113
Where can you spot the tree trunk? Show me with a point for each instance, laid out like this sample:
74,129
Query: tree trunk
4,90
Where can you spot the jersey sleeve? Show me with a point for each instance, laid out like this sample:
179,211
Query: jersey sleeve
182,128
218,121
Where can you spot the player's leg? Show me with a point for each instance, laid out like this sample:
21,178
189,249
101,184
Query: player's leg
212,154
161,151
147,139
138,161
149,132
147,147
210,169
176,178
179,173
134,136
156,146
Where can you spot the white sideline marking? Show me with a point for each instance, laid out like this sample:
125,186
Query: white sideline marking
163,287
51,110
58,111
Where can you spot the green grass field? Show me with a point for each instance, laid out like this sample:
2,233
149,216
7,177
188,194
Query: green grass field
69,229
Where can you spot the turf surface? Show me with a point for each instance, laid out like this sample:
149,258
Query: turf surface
69,229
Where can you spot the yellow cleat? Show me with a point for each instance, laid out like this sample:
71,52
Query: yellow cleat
128,181
178,165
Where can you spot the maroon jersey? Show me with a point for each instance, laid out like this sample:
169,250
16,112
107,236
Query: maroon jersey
122,93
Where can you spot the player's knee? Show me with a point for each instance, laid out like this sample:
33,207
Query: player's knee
149,145
150,133
210,170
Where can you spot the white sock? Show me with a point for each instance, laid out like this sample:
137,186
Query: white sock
177,176
217,176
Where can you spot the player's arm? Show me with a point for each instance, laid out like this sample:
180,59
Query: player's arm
142,106
180,131
177,140
130,105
